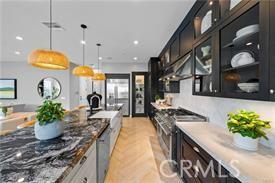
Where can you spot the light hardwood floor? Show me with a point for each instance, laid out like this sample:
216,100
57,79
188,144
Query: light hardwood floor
137,155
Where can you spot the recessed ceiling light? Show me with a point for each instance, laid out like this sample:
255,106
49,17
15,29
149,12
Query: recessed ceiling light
17,52
136,42
99,58
210,3
135,58
82,42
250,43
19,38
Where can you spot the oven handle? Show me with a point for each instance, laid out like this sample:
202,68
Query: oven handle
160,124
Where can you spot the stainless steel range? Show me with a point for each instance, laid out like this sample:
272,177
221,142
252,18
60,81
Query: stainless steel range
166,127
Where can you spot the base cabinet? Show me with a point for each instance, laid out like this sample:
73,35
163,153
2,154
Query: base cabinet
196,165
115,130
86,172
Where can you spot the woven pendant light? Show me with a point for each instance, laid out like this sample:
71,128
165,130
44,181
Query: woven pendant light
83,71
99,76
49,59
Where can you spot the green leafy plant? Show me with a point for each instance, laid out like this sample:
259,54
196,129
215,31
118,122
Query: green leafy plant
49,112
157,97
4,110
248,124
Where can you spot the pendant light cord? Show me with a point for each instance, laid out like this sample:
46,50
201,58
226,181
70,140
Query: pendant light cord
83,45
51,25
98,58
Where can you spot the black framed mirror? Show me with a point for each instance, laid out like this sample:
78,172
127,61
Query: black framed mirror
49,88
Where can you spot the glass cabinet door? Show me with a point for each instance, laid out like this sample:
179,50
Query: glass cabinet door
240,54
206,17
139,93
203,67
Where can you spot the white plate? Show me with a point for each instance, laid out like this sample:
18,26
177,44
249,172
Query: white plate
206,22
233,3
242,58
248,30
249,87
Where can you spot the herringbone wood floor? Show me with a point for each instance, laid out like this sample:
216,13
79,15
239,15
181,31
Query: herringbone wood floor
137,155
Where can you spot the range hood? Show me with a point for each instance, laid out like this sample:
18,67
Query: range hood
182,69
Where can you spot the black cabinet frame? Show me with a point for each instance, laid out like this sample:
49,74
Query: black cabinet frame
266,67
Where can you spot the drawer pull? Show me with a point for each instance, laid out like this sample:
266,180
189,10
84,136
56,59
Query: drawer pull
85,180
196,149
83,160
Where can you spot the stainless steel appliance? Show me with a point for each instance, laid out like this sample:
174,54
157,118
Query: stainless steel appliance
166,127
103,151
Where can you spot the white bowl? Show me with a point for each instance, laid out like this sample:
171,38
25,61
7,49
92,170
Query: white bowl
242,58
249,87
248,30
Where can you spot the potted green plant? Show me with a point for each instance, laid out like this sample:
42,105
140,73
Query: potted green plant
247,128
157,98
3,112
49,120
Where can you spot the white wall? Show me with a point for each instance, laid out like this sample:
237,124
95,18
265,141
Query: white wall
217,108
74,88
28,78
124,67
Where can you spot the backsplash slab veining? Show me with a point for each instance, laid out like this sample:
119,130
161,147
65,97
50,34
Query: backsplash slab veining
218,108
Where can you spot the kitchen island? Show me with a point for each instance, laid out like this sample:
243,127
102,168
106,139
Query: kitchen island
23,158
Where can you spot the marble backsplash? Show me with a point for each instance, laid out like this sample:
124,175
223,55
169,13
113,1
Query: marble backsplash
218,108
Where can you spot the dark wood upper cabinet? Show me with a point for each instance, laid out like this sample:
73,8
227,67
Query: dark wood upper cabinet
186,39
232,42
206,71
228,7
175,50
206,17
272,51
167,59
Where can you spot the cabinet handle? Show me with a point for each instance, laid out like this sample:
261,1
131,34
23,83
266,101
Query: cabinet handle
85,180
196,149
271,91
83,160
195,168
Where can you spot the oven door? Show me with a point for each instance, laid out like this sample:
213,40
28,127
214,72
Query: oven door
165,140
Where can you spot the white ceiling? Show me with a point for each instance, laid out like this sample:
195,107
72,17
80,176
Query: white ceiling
115,24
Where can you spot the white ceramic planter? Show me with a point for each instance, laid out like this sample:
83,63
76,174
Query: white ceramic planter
49,131
246,143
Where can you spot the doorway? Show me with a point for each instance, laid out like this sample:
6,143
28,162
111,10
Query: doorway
139,94
117,91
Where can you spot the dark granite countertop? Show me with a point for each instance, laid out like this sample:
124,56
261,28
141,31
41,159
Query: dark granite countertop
23,158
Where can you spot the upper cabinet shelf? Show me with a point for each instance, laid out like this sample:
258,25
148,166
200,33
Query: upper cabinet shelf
244,40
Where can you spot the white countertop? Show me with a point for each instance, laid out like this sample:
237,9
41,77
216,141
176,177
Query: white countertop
256,166
106,114
161,107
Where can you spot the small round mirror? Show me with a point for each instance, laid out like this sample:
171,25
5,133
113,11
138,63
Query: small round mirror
49,88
